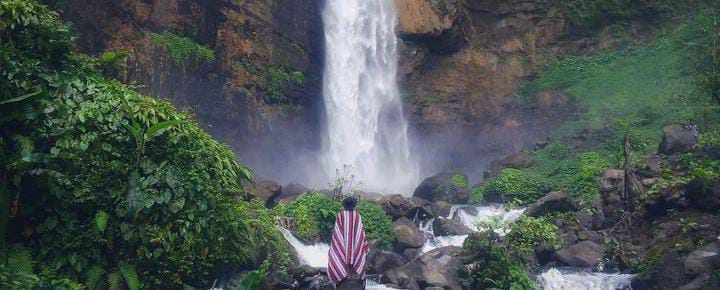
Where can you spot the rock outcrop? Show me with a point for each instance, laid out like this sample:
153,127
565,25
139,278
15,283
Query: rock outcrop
677,139
444,186
449,227
559,201
583,254
407,234
437,268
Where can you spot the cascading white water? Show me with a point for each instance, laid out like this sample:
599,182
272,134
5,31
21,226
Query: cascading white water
555,279
313,255
365,123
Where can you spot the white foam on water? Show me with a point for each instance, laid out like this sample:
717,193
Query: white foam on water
470,216
315,255
374,285
554,279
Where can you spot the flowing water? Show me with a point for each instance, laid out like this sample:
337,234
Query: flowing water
555,279
315,255
365,123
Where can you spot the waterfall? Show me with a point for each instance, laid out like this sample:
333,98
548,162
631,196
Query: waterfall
366,128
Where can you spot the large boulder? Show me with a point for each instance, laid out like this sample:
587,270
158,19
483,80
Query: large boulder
704,194
379,262
449,227
266,190
559,201
397,206
667,274
437,268
447,186
583,254
517,160
677,139
703,260
407,234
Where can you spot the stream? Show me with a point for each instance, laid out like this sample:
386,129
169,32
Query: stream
315,255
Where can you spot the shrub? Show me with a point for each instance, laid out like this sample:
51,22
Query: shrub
313,215
709,140
278,80
511,184
183,50
378,225
111,179
491,266
459,181
528,233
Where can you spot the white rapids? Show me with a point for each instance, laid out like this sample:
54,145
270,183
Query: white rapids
470,216
555,279
366,128
315,255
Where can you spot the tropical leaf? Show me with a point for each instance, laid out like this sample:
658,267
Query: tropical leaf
246,173
101,220
159,128
20,98
131,277
19,260
115,281
95,278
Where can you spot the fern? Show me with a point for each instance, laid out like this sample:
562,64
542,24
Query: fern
95,278
131,276
115,281
19,260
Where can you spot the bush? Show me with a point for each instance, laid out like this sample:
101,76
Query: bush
113,180
183,50
510,184
278,80
528,233
313,215
492,266
378,225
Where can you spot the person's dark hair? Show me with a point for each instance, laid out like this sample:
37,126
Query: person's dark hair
349,203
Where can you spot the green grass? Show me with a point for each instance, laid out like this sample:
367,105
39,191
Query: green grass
654,84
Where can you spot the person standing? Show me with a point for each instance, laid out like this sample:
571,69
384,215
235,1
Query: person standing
348,249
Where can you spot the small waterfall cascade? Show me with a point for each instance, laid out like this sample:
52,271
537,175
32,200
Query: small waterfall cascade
554,279
366,128
315,255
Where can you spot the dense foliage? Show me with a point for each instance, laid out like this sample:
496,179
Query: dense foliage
492,265
183,50
279,80
528,233
378,225
113,187
312,215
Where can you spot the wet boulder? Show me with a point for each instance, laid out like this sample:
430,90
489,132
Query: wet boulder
266,190
380,262
441,208
559,201
407,234
703,260
677,139
583,254
451,187
397,206
704,194
437,268
449,227
667,274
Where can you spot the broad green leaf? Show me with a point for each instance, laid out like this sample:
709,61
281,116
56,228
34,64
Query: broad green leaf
20,98
159,128
101,220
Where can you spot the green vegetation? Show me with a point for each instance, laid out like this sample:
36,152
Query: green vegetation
313,216
459,181
183,50
592,13
115,188
493,265
378,225
528,233
511,184
278,80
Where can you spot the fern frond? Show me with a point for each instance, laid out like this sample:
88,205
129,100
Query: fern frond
95,278
19,260
115,281
131,277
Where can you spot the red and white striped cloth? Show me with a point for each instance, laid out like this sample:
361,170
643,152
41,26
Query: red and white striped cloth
348,247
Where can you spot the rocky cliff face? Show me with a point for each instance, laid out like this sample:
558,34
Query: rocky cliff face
230,94
462,62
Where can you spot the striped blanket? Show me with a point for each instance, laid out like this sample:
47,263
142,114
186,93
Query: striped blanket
348,247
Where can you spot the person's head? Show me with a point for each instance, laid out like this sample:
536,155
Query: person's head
349,203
